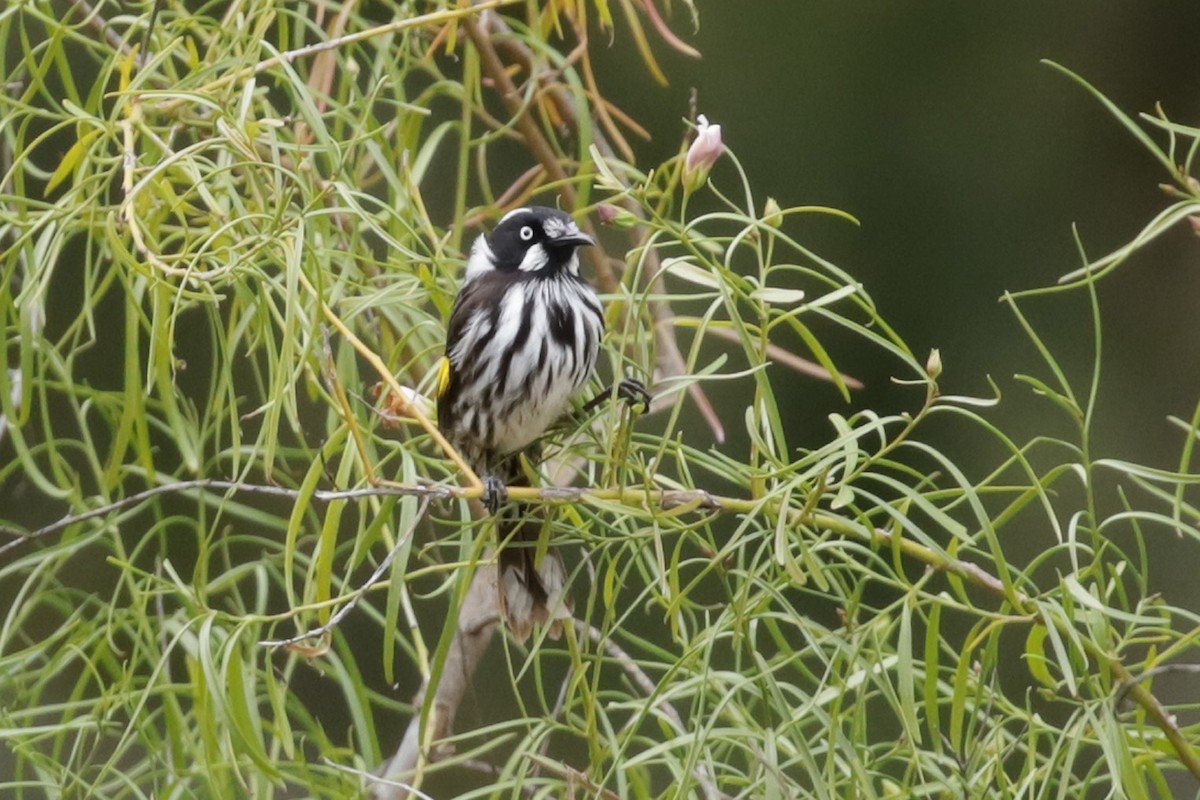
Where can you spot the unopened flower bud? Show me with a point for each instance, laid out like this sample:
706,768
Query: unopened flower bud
933,364
703,153
1173,191
772,213
610,214
607,213
1194,221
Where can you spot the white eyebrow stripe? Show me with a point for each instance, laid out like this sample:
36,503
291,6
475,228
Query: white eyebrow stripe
514,212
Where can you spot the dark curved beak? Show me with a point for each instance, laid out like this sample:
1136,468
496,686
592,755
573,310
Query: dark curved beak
572,239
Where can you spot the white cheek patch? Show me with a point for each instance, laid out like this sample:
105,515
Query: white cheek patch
535,258
482,260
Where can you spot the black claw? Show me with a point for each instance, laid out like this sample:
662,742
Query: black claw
633,391
495,493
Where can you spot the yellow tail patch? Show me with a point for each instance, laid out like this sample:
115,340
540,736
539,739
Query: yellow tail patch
443,382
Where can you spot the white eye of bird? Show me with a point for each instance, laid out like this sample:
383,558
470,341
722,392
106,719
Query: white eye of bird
526,233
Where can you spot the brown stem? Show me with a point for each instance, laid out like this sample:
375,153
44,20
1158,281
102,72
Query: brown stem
477,620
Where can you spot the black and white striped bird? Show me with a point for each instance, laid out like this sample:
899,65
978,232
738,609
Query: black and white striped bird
523,339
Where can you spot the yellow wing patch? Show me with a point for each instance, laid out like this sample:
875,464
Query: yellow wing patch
443,381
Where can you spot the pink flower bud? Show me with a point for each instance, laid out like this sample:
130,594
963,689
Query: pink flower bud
703,153
610,214
607,213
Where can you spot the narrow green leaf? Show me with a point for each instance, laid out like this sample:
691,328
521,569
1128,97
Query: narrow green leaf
71,160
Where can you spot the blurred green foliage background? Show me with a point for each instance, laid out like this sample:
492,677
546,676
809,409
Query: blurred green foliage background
967,161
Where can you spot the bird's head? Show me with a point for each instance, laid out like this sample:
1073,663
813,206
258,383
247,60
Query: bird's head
535,240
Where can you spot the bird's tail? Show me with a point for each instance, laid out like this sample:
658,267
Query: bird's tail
533,590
